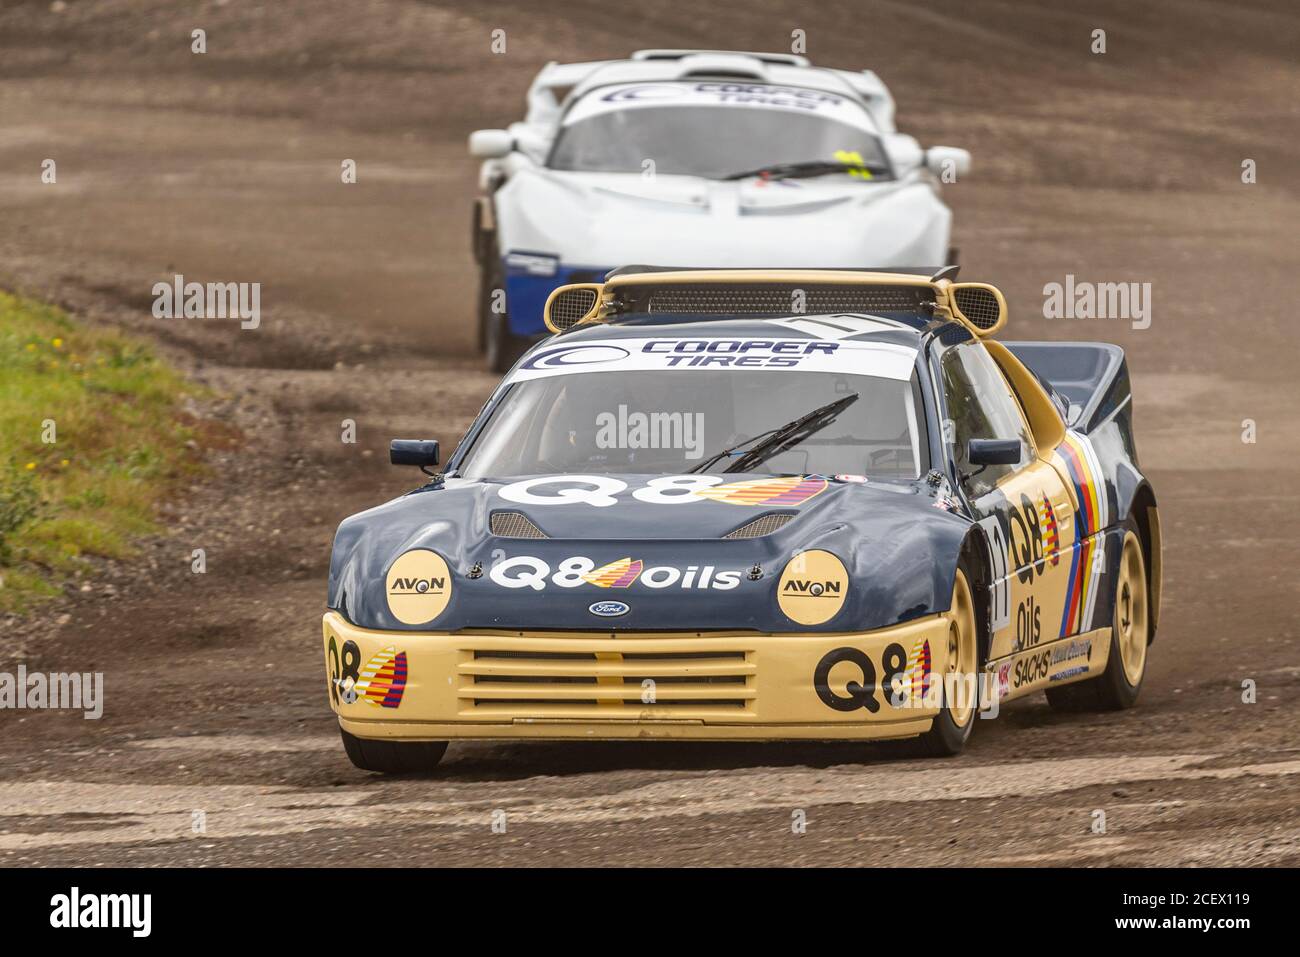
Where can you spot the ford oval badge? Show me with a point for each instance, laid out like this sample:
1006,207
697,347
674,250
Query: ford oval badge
608,609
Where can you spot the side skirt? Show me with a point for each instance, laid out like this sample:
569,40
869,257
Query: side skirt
1059,662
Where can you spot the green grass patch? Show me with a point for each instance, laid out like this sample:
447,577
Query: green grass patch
119,446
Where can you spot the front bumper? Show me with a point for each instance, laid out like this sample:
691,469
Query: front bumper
603,685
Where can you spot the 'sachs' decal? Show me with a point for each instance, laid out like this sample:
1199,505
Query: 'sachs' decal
383,679
619,574
1087,559
777,491
1032,668
813,587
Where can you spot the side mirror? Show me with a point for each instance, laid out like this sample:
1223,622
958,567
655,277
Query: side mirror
490,144
994,452
904,152
421,452
947,161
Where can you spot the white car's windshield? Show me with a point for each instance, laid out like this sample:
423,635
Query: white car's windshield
674,421
715,131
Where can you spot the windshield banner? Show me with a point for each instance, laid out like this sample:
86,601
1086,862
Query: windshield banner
879,359
625,96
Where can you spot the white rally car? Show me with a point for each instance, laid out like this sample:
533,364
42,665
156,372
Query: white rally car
702,159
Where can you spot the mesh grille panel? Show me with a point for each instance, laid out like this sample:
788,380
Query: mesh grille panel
763,525
568,307
980,306
784,299
514,525
606,682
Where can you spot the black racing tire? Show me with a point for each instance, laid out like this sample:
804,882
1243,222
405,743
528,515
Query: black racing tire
952,727
500,346
393,757
1118,687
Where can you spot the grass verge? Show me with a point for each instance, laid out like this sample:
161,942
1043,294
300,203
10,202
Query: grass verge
94,435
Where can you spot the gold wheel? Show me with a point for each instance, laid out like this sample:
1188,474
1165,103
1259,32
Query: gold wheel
1131,621
961,653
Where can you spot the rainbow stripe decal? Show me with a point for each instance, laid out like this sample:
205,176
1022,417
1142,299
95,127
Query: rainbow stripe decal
1051,533
774,491
918,671
619,574
1077,459
383,679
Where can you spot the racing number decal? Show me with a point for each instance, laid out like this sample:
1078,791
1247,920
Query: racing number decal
1000,592
344,671
1029,543
858,694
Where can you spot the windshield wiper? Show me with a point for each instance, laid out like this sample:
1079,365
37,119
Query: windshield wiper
778,440
806,169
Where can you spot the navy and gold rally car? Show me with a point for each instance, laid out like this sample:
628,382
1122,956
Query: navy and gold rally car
758,505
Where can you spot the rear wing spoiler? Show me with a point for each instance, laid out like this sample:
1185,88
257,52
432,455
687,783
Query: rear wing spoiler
773,292
1091,377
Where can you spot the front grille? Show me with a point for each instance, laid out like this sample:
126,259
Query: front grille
978,305
780,299
514,525
606,683
570,306
763,525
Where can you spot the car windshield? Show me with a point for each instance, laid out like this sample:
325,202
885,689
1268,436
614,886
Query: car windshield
716,135
674,421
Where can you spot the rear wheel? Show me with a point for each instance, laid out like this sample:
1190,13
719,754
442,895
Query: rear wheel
957,666
393,757
1118,686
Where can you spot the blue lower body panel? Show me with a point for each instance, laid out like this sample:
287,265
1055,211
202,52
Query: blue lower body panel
526,294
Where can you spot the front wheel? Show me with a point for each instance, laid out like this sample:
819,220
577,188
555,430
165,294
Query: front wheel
957,666
393,757
1118,686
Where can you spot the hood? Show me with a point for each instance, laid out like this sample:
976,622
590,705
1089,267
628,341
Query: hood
640,553
823,222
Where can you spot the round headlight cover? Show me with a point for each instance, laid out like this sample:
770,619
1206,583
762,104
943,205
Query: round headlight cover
813,587
418,586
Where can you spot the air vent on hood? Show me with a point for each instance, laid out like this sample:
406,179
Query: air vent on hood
514,525
763,525
779,299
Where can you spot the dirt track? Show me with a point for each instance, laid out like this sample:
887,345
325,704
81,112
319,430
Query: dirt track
225,166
